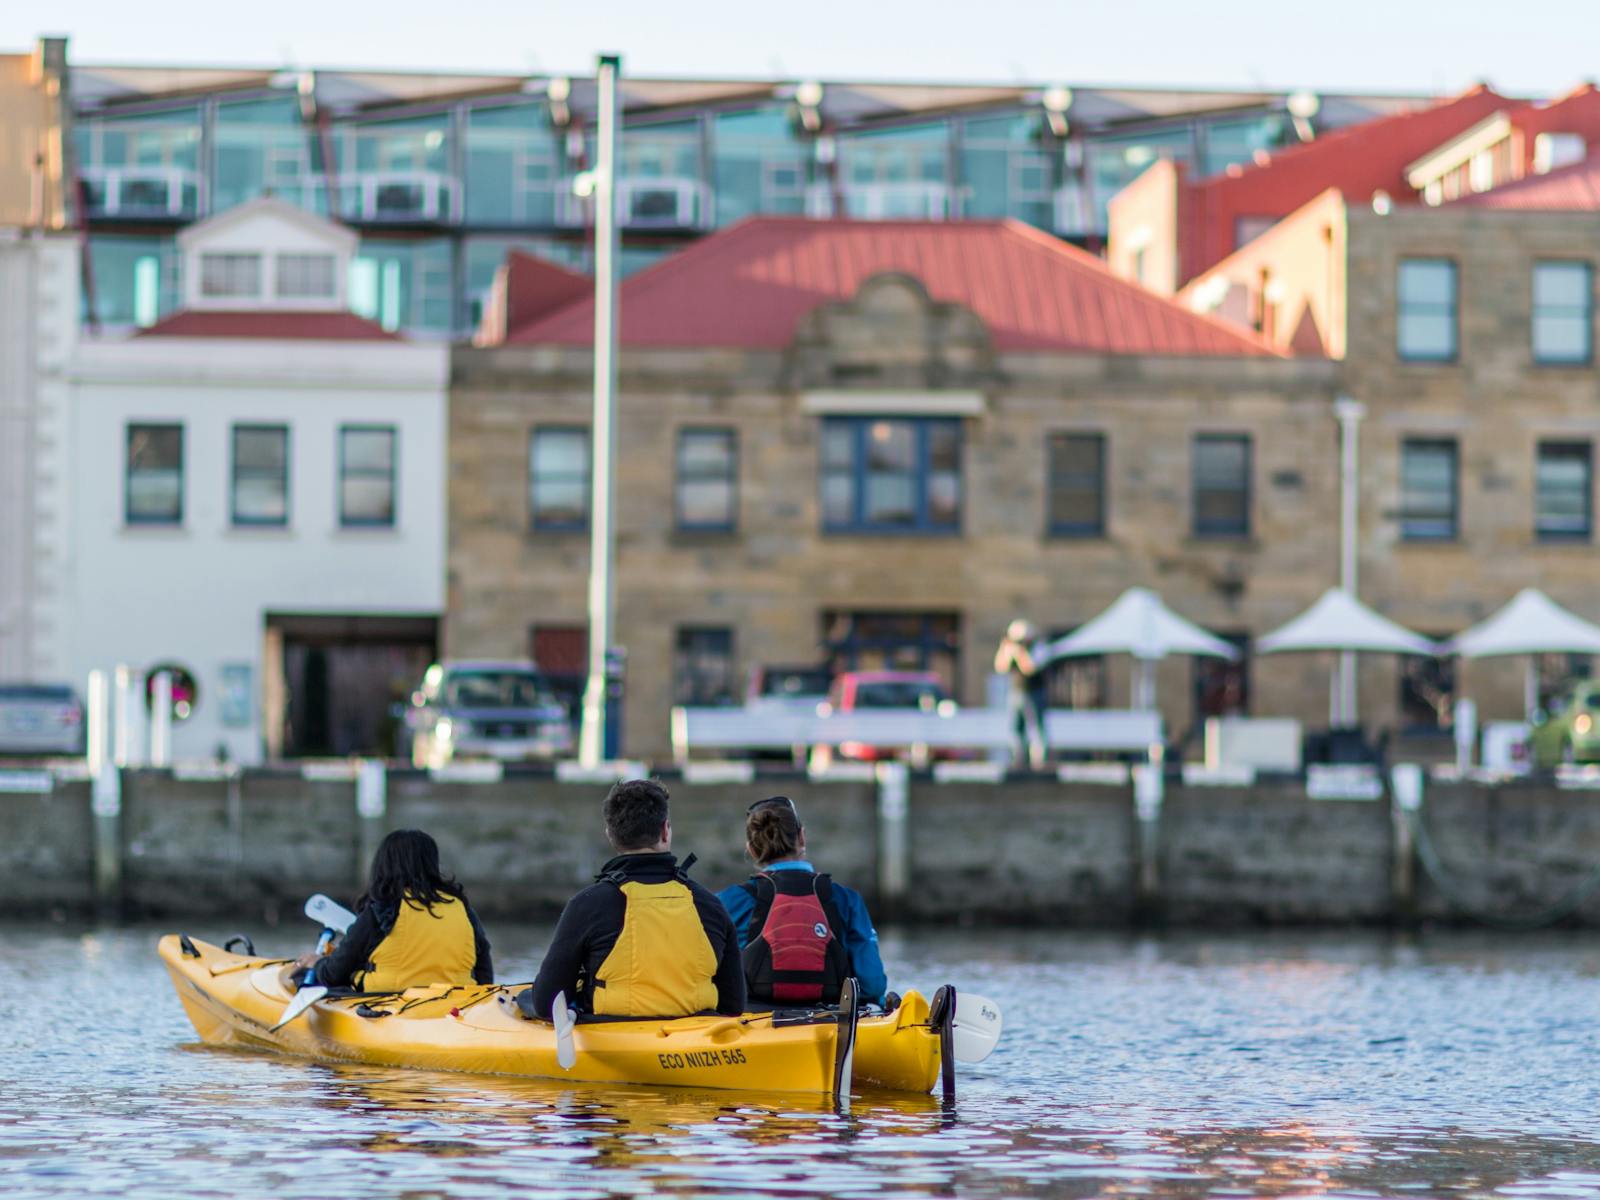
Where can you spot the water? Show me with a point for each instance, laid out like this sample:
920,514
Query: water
1229,1067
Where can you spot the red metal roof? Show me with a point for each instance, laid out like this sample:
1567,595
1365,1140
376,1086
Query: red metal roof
1358,160
752,284
293,326
1567,189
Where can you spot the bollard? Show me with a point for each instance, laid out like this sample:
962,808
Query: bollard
122,702
894,835
372,805
1148,785
96,723
1405,800
106,805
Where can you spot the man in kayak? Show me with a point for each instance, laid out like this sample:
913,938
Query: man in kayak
802,934
643,940
413,926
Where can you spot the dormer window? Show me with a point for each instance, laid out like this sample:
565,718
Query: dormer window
306,277
230,276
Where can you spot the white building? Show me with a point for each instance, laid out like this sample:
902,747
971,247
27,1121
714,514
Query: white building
258,496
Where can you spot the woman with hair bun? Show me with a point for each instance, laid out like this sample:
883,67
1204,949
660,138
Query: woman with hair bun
802,934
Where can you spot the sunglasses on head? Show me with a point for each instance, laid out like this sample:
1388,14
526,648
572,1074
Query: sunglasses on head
783,800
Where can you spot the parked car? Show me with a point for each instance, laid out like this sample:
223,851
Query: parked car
801,688
857,690
503,710
40,719
1570,731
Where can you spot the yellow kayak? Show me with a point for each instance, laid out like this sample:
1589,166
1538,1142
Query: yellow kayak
237,999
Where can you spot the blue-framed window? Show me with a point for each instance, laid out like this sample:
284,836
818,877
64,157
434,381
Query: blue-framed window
558,477
259,492
1222,485
1077,485
1563,313
367,460
1564,492
891,475
153,479
1425,311
1429,492
707,491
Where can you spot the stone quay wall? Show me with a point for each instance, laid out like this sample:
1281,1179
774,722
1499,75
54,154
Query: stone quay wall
1088,850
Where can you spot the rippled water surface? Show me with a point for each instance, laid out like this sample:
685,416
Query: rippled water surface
1226,1066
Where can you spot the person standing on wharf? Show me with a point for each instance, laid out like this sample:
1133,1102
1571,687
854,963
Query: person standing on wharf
643,940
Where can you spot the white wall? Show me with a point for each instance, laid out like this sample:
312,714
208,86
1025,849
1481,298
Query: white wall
197,594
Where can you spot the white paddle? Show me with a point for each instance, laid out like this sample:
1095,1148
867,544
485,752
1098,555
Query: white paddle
303,999
977,1027
561,1017
329,914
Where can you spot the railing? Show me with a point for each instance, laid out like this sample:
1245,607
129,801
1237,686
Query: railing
400,196
142,191
654,203
919,200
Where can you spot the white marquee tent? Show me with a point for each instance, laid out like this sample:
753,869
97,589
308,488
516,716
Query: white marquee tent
1531,624
1140,625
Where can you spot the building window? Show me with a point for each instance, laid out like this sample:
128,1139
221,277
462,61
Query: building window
1563,313
894,641
1427,692
702,668
153,482
558,478
305,277
1425,325
230,276
366,474
1428,493
1563,490
1221,686
882,475
1077,483
1222,485
708,479
260,475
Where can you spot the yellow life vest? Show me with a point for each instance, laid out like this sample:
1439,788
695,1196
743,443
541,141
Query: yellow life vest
663,964
423,947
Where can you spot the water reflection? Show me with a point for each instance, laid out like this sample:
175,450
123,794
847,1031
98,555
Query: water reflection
1132,1067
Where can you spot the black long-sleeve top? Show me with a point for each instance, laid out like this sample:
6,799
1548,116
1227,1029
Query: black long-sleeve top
353,953
592,921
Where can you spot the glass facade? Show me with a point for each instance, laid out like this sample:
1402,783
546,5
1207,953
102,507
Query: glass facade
261,147
759,164
1006,171
898,173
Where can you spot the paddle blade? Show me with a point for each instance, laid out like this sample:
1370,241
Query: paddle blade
561,1016
977,1027
303,999
330,914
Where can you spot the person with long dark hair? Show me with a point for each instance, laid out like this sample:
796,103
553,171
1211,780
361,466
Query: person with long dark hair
802,934
413,926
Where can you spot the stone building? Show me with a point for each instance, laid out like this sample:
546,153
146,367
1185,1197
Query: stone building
1467,332
876,445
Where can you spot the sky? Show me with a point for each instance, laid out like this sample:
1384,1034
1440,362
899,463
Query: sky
1533,47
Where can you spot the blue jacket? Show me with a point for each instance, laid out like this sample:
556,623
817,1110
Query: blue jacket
860,938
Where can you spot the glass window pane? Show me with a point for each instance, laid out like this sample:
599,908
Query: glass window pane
944,446
368,450
1427,281
705,502
366,499
155,446
944,498
891,445
891,500
1561,339
1563,489
1428,489
702,452
838,444
230,275
155,495
1561,284
838,500
260,449
1424,335
561,452
260,498
305,276
561,500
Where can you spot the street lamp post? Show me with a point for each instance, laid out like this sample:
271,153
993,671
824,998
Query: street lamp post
602,588
1349,413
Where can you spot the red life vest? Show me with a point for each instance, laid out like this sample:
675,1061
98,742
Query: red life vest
796,953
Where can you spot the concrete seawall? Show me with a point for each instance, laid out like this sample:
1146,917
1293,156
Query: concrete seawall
1033,850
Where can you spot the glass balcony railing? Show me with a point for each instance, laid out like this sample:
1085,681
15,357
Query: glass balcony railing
142,192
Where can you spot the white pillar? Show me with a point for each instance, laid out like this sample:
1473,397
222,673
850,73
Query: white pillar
122,719
96,722
602,591
161,720
1349,414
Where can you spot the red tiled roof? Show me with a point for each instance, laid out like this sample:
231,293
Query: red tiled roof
1574,188
1358,160
292,326
752,284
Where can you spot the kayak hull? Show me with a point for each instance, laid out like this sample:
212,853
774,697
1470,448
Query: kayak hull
235,1000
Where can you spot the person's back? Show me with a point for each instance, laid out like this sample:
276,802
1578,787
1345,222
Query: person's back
801,933
644,940
413,926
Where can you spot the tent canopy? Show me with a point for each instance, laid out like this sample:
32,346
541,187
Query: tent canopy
1339,621
1138,623
1531,623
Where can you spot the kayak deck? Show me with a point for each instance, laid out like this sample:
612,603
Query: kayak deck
236,1000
